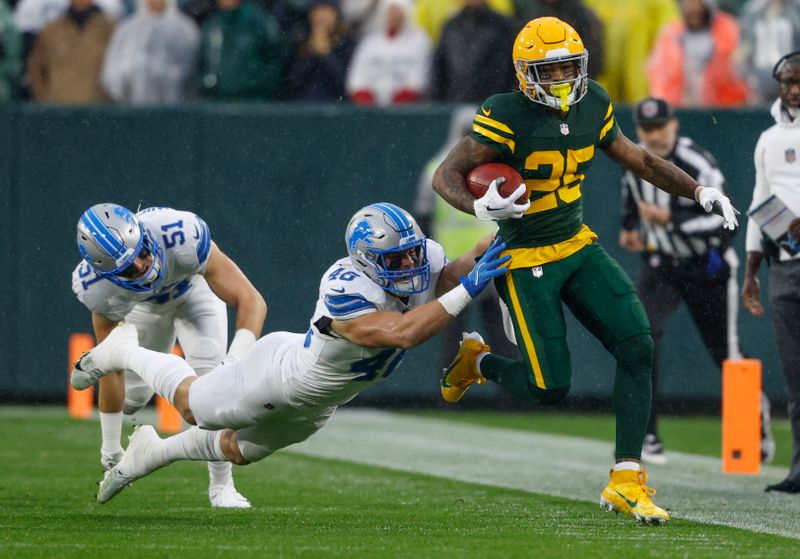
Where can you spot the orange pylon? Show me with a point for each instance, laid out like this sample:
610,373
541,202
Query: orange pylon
80,403
741,416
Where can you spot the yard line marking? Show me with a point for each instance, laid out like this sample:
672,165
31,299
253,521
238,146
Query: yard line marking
691,487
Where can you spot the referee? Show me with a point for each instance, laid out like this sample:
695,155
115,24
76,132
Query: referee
686,254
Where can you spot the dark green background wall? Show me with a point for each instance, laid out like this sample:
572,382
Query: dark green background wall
277,184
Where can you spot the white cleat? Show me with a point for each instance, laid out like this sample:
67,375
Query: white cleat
138,462
226,497
104,358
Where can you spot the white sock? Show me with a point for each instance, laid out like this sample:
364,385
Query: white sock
220,473
193,444
111,429
627,465
162,371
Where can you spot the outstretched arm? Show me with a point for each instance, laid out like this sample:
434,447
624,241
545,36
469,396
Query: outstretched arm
404,331
230,284
669,178
651,168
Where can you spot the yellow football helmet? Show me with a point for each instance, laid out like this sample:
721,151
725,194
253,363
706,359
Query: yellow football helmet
543,44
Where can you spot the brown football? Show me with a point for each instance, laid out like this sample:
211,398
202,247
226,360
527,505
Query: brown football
480,177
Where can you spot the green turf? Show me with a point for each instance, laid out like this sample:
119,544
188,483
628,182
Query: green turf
308,507
695,435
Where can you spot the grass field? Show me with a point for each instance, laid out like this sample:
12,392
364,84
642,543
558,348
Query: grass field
378,484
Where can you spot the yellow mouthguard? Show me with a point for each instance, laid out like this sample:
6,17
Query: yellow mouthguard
562,90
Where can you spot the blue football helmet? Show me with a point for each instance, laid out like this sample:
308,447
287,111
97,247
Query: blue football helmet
378,230
110,238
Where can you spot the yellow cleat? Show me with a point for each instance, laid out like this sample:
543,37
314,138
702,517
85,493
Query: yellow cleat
463,371
627,492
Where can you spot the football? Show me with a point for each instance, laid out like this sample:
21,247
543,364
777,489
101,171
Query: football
479,178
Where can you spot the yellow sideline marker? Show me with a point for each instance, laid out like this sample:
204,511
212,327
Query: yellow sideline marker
79,402
741,416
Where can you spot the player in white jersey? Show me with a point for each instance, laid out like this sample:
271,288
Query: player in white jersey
160,271
395,291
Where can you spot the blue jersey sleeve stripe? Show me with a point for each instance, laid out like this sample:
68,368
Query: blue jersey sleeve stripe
342,299
340,313
342,308
204,246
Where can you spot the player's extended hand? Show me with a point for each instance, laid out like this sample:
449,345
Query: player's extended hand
751,297
488,267
493,207
715,201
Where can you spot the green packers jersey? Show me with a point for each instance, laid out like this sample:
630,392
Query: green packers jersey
551,154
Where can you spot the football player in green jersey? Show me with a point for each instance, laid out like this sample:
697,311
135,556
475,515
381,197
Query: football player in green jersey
549,132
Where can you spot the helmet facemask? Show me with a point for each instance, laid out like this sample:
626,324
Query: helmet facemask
401,281
560,94
151,278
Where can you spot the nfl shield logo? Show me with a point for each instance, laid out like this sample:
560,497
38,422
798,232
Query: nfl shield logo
564,128
791,155
538,272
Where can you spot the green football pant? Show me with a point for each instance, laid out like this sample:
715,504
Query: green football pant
603,298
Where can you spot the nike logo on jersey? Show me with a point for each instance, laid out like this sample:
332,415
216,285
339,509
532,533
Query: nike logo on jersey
340,290
487,112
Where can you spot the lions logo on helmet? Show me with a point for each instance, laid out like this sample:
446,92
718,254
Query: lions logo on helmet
378,230
361,233
543,42
110,238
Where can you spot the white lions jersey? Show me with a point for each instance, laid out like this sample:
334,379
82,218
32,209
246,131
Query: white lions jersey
329,370
186,242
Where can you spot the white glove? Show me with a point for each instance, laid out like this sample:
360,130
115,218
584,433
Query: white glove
493,207
715,201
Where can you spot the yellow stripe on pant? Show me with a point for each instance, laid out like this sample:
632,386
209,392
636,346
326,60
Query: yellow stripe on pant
530,350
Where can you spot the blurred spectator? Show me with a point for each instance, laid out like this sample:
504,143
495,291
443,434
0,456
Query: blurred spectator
391,64
319,65
242,52
454,230
629,32
10,55
692,62
686,256
584,20
432,15
65,63
32,15
770,28
152,55
778,175
473,57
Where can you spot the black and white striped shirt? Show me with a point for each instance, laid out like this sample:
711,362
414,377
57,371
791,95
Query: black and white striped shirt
691,231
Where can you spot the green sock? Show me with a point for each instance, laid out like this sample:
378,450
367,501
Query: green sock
632,394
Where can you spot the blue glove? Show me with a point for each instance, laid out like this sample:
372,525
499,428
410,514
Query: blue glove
486,268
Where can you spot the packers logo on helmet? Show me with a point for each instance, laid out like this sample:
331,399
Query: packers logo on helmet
545,45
